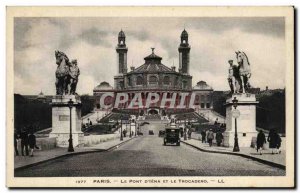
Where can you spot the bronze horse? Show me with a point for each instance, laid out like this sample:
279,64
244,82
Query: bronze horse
241,73
62,73
244,70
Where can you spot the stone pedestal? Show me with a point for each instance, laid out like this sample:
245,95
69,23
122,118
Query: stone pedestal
246,122
61,120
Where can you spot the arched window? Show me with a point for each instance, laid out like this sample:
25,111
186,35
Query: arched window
207,105
152,80
166,80
139,80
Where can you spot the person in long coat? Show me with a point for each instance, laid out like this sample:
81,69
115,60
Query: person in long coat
190,133
278,142
203,135
272,139
260,141
24,142
210,137
16,137
219,138
124,133
31,143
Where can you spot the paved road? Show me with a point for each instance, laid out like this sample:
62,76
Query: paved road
146,156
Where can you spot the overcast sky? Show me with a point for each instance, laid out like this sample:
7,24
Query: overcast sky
92,42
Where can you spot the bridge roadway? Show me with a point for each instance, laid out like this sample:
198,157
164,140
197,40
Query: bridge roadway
146,156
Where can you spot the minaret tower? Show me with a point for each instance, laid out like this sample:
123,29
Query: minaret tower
122,53
184,53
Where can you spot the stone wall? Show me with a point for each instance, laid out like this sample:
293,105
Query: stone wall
96,139
46,143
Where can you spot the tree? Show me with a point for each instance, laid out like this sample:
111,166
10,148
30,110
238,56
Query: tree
219,99
33,114
88,103
270,111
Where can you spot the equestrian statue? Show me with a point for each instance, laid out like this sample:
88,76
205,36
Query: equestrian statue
67,74
239,75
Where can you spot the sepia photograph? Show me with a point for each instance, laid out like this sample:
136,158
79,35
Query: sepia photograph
150,97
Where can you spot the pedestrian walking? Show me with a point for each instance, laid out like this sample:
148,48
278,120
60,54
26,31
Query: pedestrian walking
210,137
124,133
181,132
32,143
184,134
19,147
216,122
82,127
219,138
24,142
203,135
190,133
16,138
260,141
278,143
272,139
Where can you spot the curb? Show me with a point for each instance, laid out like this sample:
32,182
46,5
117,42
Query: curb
280,166
71,154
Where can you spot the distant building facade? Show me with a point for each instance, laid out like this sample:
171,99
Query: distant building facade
204,95
41,97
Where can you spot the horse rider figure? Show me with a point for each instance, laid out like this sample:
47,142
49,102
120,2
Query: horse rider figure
67,74
234,79
231,78
74,74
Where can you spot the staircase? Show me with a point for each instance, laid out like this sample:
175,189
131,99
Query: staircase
152,117
211,116
105,118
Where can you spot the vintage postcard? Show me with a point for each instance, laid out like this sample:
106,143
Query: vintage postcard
150,97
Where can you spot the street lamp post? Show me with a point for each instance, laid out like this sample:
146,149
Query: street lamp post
189,131
235,114
121,136
184,135
130,135
70,149
135,128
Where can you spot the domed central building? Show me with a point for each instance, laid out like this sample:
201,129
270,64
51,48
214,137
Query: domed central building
153,74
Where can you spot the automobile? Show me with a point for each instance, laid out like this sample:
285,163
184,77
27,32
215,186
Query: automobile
172,136
139,133
161,133
151,132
